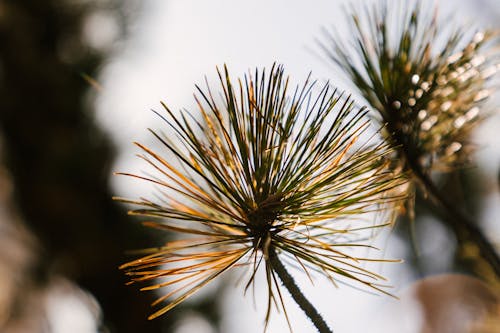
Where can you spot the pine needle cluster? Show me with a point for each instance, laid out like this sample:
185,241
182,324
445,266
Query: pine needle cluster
427,82
263,175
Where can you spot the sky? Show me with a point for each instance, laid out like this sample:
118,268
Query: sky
173,45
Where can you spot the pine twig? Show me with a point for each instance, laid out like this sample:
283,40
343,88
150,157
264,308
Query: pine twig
457,220
297,295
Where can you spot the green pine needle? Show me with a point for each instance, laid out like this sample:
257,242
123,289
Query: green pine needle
428,83
263,169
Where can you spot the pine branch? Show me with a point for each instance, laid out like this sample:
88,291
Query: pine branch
459,221
297,295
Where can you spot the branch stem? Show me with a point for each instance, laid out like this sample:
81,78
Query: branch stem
458,220
296,293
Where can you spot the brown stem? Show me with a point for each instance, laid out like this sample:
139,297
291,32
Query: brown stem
296,293
458,220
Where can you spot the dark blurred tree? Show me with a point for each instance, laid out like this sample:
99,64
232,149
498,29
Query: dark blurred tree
59,159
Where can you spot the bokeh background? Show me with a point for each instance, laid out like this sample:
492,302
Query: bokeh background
78,80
